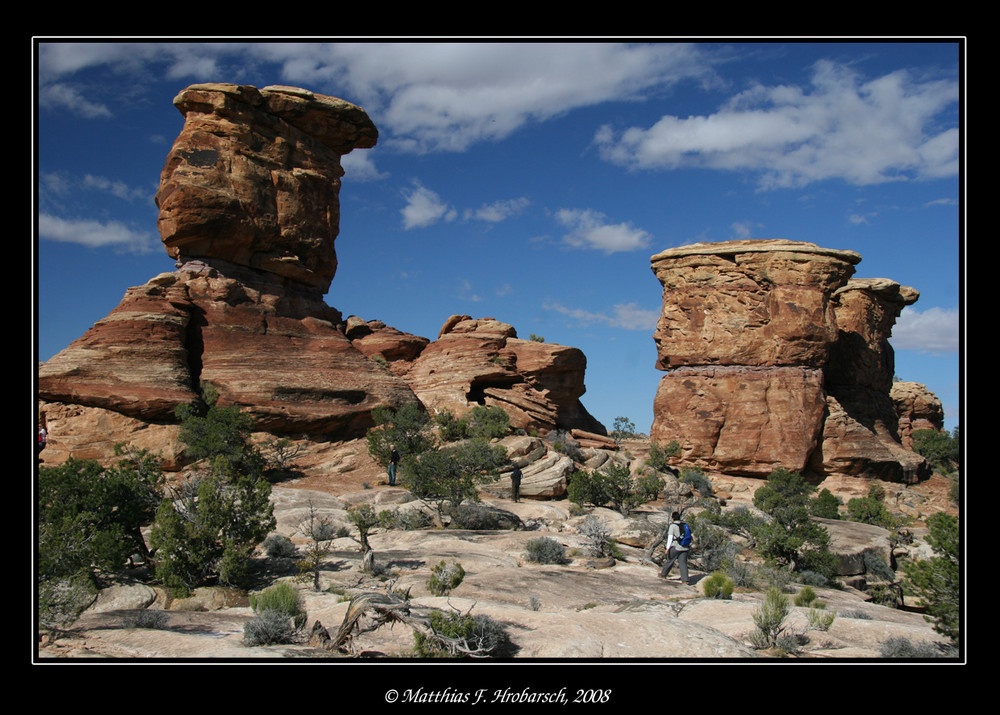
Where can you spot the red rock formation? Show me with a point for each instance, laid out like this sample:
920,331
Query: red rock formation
917,408
745,330
776,359
482,361
861,432
248,204
254,178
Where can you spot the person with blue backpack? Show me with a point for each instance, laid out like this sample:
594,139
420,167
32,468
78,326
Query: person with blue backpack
678,544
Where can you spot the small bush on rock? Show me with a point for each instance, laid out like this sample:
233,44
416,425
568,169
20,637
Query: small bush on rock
282,597
445,577
268,627
545,551
718,585
278,546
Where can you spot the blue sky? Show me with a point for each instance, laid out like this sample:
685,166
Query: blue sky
531,182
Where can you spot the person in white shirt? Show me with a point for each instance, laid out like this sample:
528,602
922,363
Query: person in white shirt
675,552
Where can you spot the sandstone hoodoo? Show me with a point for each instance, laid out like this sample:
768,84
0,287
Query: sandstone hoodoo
776,358
249,209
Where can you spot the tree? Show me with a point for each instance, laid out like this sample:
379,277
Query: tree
320,532
790,536
624,428
210,526
209,530
89,526
405,428
614,486
450,475
937,581
942,451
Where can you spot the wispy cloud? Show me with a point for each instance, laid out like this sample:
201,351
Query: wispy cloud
934,330
591,229
96,234
427,96
359,166
627,316
842,127
498,210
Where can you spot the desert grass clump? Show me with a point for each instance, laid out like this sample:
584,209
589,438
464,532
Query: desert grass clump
718,585
281,597
151,619
770,620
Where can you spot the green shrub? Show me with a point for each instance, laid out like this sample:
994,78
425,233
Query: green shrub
461,635
825,505
544,550
718,585
941,450
658,456
445,578
806,598
283,597
268,627
872,510
613,486
769,619
697,479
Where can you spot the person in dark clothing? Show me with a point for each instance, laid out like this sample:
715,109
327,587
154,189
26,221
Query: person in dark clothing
393,462
515,484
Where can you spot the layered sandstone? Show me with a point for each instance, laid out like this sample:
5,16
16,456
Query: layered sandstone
861,431
249,208
745,331
482,361
776,357
254,178
917,408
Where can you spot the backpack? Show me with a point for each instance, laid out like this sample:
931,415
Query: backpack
686,536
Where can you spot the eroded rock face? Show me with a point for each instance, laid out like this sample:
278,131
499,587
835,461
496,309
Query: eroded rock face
746,329
861,432
254,178
917,408
482,361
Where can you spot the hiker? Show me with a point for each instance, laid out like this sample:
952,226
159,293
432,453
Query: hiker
678,544
515,484
42,437
393,461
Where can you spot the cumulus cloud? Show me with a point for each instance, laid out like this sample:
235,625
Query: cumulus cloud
95,234
424,208
934,330
591,229
842,127
628,316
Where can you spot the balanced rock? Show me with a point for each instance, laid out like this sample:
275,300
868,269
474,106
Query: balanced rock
254,178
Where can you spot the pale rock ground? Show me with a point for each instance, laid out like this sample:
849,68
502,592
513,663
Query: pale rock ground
579,610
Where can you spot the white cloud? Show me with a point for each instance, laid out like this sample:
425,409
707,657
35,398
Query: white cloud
425,95
590,229
863,132
424,208
95,234
628,316
498,210
359,166
934,330
60,97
